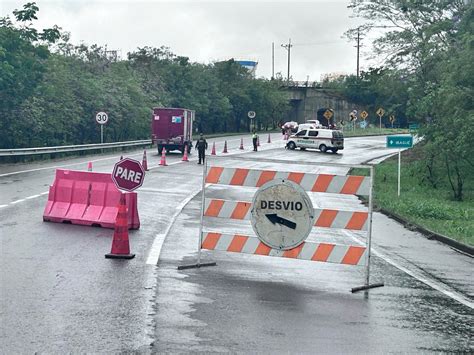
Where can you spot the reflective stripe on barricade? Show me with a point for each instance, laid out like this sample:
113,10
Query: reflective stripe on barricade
339,184
328,218
325,252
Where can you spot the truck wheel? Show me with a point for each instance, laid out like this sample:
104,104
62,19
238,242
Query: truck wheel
291,145
334,150
323,148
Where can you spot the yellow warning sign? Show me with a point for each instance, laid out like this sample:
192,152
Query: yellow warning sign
328,114
392,118
380,112
364,115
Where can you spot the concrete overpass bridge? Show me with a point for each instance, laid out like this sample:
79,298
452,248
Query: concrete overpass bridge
307,97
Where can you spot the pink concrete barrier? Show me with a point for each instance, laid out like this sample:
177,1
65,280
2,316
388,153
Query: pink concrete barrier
88,198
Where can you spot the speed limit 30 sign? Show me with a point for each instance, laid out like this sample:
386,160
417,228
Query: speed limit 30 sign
101,117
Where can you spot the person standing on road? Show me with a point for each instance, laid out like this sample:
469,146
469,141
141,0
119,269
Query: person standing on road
255,140
201,146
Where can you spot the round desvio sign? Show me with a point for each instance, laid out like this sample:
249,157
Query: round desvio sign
128,174
282,214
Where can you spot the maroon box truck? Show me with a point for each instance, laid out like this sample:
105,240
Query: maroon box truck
172,128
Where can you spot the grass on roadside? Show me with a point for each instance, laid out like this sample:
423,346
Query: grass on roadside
420,203
372,131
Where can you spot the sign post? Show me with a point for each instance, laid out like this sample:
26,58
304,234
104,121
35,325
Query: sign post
392,119
101,118
353,118
364,116
252,115
399,142
328,115
380,112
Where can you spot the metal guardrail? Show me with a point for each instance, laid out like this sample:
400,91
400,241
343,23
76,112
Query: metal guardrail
70,148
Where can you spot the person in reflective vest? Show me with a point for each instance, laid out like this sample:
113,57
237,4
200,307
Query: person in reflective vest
255,141
201,146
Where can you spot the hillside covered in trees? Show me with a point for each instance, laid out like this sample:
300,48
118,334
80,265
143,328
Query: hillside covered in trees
50,89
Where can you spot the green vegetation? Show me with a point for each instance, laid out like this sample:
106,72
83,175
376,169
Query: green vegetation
56,88
372,131
421,202
427,78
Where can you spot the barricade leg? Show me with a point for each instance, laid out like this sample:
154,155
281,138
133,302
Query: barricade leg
203,196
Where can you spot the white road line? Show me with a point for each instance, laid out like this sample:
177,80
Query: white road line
155,250
444,289
24,199
435,285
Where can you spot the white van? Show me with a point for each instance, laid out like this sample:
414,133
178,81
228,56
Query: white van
317,138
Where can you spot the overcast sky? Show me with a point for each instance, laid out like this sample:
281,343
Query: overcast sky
207,31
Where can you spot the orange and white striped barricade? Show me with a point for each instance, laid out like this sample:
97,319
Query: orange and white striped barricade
301,182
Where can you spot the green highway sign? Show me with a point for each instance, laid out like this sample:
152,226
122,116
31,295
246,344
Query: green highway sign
399,141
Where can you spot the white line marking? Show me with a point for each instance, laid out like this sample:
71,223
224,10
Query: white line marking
155,250
24,199
444,289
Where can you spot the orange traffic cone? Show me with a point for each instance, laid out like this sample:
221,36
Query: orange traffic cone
225,147
241,143
89,166
258,141
213,152
269,140
120,244
163,157
144,162
185,156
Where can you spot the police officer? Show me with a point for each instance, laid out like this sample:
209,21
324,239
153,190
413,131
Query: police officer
201,146
255,140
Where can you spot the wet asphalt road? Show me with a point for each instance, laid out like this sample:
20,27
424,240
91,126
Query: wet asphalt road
59,294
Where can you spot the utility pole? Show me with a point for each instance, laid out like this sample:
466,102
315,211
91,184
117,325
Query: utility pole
288,48
273,60
358,46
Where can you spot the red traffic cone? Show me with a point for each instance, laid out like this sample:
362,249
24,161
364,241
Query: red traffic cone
89,166
269,139
163,157
225,147
213,151
241,143
258,141
120,244
185,156
144,162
